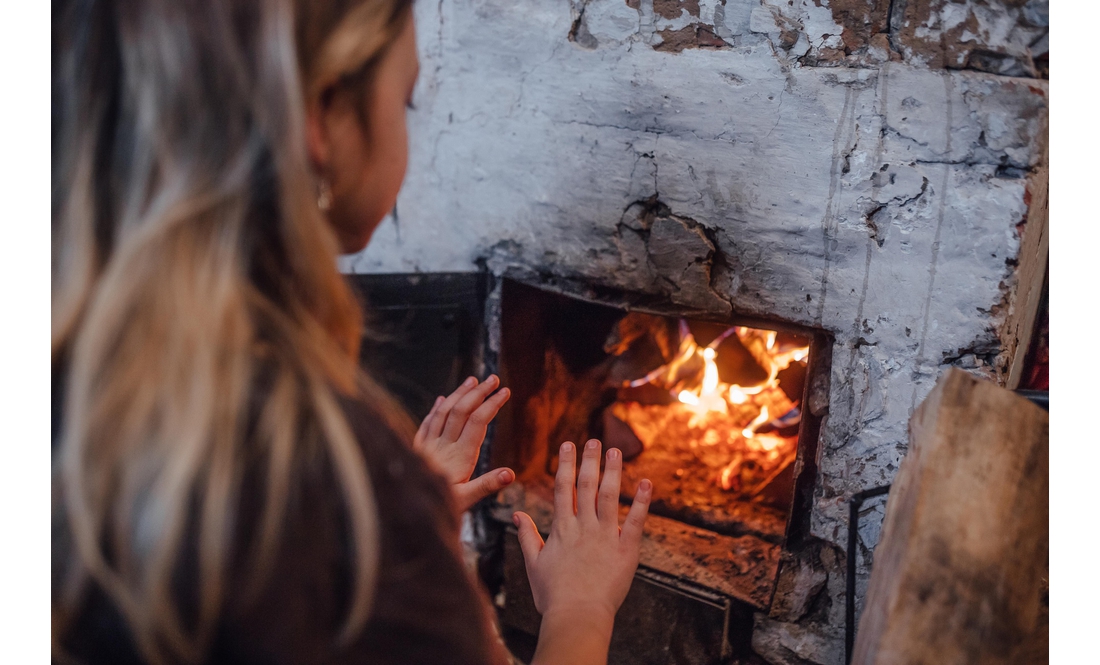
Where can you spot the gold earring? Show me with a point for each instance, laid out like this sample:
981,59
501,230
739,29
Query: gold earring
324,195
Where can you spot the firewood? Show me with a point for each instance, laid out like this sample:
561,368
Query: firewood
958,570
617,434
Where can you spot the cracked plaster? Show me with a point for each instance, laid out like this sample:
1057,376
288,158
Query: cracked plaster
879,203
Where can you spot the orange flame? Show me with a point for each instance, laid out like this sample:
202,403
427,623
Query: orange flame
713,395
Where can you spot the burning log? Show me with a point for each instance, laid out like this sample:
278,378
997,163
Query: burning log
636,326
644,394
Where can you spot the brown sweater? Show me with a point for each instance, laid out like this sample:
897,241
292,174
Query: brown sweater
427,608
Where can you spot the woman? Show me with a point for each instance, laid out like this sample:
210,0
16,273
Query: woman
228,486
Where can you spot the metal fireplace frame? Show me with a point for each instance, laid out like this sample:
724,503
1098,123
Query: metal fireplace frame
814,400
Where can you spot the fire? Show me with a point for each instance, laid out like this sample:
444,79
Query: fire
688,397
736,425
711,394
750,431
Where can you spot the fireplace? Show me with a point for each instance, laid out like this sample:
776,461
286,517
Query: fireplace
722,413
682,394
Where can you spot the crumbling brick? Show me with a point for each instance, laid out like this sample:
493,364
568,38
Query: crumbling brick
696,35
671,9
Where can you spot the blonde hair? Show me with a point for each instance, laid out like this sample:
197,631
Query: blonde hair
199,323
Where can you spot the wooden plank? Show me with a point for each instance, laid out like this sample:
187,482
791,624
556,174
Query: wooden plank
958,571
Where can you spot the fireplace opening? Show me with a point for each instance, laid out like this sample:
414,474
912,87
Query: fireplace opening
713,412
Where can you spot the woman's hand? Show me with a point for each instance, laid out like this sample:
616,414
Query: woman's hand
451,436
581,574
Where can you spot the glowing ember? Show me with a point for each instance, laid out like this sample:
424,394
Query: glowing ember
731,429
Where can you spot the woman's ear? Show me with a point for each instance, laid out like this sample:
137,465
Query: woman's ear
318,141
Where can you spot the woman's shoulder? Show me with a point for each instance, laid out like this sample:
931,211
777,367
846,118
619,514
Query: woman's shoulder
427,607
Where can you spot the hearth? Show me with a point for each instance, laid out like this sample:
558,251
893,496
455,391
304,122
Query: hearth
722,413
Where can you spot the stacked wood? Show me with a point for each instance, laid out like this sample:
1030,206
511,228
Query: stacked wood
958,572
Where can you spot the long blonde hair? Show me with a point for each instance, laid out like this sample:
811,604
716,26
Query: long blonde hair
199,323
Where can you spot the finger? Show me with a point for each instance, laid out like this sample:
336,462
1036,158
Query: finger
635,518
445,408
588,480
608,507
422,433
469,493
466,406
530,541
563,484
478,423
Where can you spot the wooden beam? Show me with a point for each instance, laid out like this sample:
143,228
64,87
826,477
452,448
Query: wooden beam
1031,273
958,570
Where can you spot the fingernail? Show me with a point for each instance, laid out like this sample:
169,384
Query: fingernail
567,447
506,476
515,519
592,444
645,486
505,392
493,378
469,383
438,400
613,453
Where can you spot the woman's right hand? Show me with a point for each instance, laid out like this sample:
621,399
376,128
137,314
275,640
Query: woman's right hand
582,572
451,435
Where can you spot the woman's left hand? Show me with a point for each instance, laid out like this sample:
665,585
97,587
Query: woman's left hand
451,436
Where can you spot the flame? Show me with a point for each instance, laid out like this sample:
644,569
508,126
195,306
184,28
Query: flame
707,398
762,345
710,372
688,397
724,478
774,359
